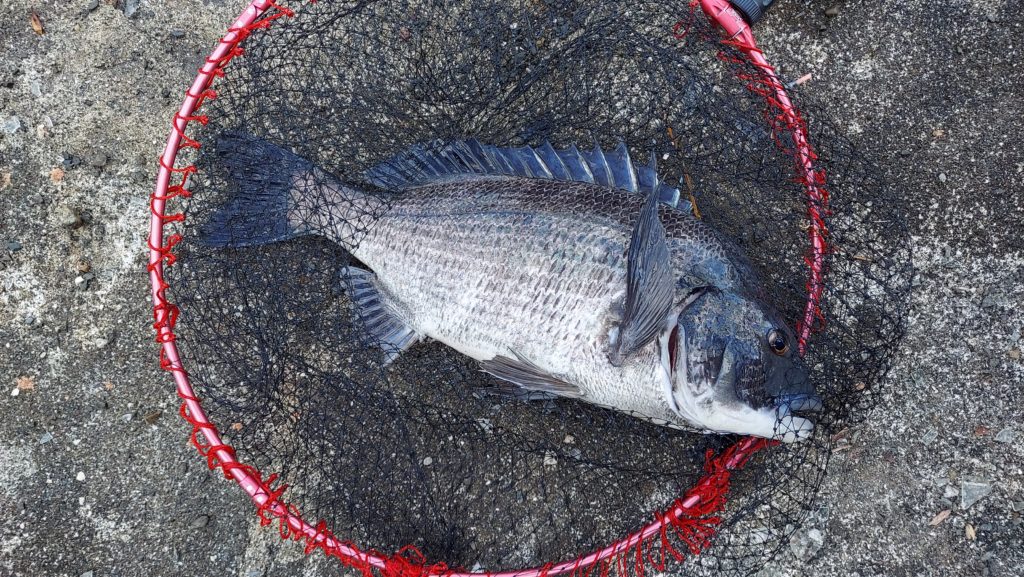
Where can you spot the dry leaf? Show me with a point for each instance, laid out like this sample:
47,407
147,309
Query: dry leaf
57,175
236,426
981,431
5,179
940,517
938,133
25,383
108,386
37,24
841,434
970,532
152,417
1014,353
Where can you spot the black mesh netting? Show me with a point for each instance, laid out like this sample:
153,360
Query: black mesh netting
413,453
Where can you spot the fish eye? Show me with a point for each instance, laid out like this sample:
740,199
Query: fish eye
778,342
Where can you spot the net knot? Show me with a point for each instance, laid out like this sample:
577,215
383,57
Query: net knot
267,510
409,561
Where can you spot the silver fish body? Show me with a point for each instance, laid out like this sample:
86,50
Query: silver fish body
529,276
527,267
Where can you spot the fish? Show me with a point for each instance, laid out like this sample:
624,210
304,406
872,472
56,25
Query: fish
564,273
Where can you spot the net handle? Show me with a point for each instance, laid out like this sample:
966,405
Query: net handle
701,501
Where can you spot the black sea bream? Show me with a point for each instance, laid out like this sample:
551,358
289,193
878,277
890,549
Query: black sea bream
563,273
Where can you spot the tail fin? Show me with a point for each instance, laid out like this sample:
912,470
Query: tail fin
278,196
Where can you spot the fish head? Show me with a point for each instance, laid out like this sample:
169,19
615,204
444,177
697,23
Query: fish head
732,367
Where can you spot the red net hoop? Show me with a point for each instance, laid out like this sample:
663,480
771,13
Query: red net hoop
687,527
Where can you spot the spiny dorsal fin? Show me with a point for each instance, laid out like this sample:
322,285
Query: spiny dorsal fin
422,165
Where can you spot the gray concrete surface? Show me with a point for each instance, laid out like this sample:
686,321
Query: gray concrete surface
95,476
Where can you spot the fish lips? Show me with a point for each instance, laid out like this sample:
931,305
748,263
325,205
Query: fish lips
802,403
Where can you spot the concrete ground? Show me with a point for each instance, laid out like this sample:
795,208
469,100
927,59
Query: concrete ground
95,475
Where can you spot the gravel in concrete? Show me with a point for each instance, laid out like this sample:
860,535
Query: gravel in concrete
90,486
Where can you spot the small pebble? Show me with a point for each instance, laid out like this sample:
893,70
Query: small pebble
1018,506
80,476
15,392
130,7
972,491
87,574
14,246
66,217
929,437
1014,353
92,5
177,33
10,125
97,159
200,522
807,544
1007,435
569,439
45,438
70,161
942,177
950,492
427,461
549,459
832,11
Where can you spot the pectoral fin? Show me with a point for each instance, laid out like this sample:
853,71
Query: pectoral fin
650,285
529,376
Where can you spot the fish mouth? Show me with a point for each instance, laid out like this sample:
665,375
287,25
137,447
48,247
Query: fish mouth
806,404
795,416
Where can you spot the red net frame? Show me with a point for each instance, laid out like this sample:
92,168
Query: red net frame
685,529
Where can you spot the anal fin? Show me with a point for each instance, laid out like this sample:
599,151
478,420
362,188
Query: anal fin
529,376
375,311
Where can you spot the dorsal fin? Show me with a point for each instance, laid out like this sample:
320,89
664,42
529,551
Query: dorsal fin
422,165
